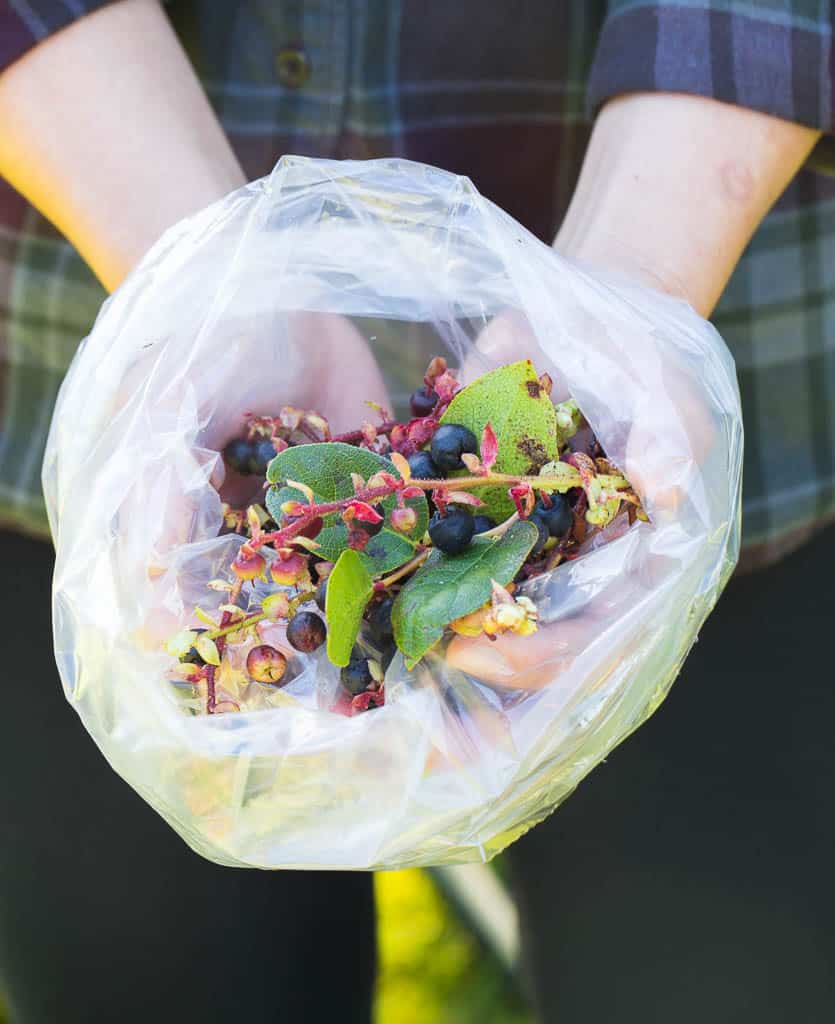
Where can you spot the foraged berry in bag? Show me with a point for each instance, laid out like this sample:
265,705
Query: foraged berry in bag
287,571
265,664
356,675
423,401
379,621
481,524
238,455
449,442
423,467
544,533
263,454
558,518
321,594
451,533
306,632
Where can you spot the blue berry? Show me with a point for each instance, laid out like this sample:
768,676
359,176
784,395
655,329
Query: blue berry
481,524
544,533
423,467
379,620
451,533
558,518
423,401
322,594
449,442
263,454
238,455
356,675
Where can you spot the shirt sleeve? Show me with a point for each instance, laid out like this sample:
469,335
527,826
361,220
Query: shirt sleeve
770,57
25,23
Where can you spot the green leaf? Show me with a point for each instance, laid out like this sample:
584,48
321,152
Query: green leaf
327,469
350,588
449,586
524,421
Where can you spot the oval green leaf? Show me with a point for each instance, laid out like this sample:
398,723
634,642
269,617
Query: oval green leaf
350,588
522,417
449,586
326,469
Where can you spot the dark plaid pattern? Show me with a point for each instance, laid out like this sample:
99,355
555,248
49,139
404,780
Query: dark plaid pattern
504,94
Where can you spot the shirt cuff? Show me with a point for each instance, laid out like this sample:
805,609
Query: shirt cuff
777,65
25,23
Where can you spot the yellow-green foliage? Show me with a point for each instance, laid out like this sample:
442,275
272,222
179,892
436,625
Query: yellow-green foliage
431,969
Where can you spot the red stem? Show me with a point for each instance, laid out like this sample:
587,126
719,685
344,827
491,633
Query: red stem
355,436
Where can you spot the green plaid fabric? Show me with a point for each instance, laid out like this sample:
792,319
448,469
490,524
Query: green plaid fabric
506,97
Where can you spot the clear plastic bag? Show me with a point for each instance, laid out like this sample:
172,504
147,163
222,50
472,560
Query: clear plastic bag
226,314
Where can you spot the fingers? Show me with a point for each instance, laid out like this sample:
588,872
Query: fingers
523,662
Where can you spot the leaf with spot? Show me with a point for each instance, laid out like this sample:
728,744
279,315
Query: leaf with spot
522,418
350,588
326,468
449,586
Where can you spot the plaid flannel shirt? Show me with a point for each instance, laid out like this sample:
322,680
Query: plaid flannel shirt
505,95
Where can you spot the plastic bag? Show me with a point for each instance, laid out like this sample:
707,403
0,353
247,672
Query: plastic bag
238,296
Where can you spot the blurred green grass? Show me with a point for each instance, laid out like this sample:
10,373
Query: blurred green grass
432,969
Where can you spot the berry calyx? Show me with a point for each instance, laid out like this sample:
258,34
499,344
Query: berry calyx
423,466
356,675
238,455
449,442
265,664
306,632
481,524
558,517
451,533
423,401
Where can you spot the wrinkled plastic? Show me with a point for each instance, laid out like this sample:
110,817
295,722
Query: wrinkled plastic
452,768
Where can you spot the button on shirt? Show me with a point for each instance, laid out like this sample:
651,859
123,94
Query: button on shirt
505,94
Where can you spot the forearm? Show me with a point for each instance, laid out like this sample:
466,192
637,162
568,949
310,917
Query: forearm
105,129
673,187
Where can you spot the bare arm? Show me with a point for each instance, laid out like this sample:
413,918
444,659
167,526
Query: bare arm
106,130
673,187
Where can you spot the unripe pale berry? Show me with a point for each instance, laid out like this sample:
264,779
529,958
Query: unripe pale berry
265,664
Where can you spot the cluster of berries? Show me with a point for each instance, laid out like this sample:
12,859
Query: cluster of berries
430,463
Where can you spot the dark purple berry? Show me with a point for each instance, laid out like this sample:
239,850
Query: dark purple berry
356,675
423,401
423,467
263,454
238,455
481,524
558,517
544,533
379,620
322,594
449,442
306,631
451,533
